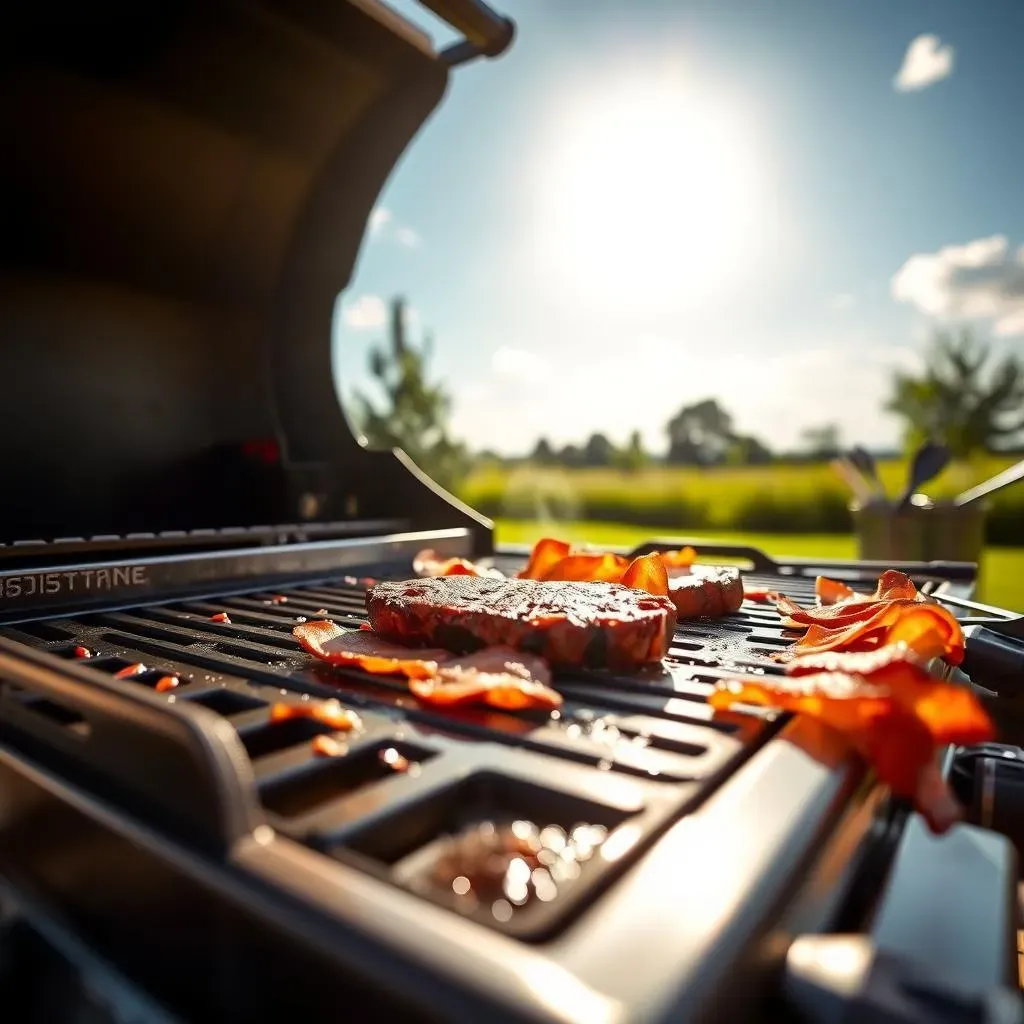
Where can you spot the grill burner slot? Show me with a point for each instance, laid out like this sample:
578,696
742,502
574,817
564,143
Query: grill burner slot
227,702
59,713
761,637
337,777
275,736
47,631
410,848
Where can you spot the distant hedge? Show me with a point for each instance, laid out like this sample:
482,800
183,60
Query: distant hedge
768,499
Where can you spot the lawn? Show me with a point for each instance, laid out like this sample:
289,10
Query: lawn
1002,569
777,499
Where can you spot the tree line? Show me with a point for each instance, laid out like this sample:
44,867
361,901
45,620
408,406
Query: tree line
963,398
701,434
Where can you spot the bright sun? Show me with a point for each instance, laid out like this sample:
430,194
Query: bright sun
649,194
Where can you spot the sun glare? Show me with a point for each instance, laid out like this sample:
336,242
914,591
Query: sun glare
649,194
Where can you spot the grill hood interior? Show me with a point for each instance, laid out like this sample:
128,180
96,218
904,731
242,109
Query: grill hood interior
184,193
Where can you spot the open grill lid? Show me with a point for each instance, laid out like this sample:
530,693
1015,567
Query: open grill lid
183,199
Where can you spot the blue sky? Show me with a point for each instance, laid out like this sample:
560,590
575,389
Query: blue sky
649,202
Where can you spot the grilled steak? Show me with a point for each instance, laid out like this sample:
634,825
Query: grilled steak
707,590
596,625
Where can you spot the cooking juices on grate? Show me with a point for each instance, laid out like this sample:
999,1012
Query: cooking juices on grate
503,850
509,866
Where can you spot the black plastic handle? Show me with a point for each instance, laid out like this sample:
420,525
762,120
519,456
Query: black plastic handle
963,571
994,661
761,562
180,767
757,558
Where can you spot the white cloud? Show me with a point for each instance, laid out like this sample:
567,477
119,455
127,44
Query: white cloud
926,62
1011,326
386,227
407,237
379,219
364,313
980,280
843,302
518,363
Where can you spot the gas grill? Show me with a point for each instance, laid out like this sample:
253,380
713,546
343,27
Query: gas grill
188,197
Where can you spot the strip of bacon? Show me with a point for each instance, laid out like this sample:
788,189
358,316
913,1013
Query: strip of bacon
326,745
833,616
546,553
499,676
892,586
948,711
327,712
680,560
429,563
364,649
555,560
130,670
876,663
895,718
832,591
648,572
607,568
930,630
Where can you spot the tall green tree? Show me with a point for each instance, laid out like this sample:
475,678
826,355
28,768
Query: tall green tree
598,451
572,456
543,454
962,398
746,450
415,412
699,434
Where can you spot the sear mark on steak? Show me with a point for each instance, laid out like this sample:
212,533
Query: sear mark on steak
592,625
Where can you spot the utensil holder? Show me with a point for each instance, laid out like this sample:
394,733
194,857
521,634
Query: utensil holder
936,531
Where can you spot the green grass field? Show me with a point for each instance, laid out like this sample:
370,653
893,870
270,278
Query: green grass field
776,499
1002,568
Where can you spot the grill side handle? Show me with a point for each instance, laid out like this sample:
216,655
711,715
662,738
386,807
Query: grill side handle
759,561
181,768
965,572
487,33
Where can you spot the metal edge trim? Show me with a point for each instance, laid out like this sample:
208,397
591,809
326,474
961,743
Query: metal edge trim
156,578
708,888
